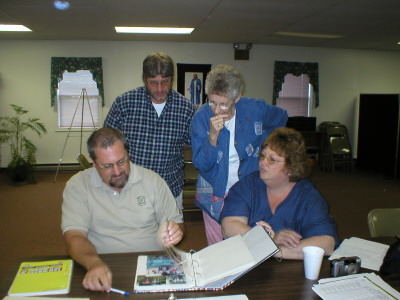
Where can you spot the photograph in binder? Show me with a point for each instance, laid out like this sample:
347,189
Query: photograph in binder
212,268
161,270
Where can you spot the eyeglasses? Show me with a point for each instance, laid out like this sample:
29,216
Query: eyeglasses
270,159
109,167
222,106
164,83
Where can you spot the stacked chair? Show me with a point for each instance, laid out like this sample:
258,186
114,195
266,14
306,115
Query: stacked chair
336,147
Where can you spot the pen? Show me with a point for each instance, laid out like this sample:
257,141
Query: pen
119,291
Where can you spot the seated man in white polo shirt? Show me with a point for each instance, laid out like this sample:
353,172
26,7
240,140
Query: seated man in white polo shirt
115,207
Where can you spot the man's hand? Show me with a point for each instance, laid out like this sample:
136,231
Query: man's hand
170,234
98,278
288,238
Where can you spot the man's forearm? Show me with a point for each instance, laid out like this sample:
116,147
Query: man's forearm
81,250
98,276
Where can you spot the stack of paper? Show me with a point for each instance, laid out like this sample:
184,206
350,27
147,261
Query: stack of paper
371,253
358,286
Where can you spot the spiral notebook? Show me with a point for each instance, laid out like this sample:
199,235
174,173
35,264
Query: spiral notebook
212,268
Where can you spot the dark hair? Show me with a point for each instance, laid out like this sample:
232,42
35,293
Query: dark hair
290,144
224,80
158,64
104,138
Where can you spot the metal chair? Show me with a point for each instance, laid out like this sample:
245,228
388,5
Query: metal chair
326,158
340,147
336,147
384,222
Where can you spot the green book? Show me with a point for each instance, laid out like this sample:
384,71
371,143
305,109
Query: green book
42,278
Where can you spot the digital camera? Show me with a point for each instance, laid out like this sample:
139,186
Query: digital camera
345,266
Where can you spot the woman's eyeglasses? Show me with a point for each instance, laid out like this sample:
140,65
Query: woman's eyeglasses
222,106
270,159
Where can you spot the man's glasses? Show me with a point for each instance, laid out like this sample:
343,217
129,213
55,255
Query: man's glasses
165,83
270,159
109,167
222,106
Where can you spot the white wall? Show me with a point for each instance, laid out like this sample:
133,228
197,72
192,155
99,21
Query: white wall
343,75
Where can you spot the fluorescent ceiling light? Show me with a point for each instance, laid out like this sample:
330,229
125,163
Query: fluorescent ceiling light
162,30
307,35
8,27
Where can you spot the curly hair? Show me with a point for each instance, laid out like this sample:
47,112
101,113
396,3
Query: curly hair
289,143
224,80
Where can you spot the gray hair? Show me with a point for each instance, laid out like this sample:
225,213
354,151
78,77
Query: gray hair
158,63
104,138
224,80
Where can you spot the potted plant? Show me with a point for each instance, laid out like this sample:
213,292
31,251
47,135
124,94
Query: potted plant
12,131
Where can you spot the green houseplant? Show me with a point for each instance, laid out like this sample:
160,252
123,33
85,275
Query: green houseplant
12,131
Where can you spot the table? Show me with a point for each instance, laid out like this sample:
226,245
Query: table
271,279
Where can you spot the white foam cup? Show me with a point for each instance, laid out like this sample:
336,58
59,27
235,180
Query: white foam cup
312,261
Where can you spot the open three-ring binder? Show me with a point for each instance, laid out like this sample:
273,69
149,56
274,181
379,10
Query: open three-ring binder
212,268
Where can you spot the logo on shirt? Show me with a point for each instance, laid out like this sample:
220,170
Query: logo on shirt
141,200
249,149
255,154
258,128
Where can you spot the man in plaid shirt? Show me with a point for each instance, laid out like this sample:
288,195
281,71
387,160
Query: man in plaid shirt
156,121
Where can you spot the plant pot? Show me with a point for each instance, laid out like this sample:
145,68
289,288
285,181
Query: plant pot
21,172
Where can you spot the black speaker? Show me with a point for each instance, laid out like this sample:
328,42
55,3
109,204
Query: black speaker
242,54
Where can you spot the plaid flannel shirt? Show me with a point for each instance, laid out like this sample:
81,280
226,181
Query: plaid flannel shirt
155,142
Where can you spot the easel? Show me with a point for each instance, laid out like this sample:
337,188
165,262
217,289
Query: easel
82,97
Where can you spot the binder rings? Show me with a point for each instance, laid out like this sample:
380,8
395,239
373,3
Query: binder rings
212,268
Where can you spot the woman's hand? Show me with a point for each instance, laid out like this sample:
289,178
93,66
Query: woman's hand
216,124
267,227
288,238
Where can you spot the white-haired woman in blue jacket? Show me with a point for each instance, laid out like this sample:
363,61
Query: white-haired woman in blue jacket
227,135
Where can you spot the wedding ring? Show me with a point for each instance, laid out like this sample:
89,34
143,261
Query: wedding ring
219,125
